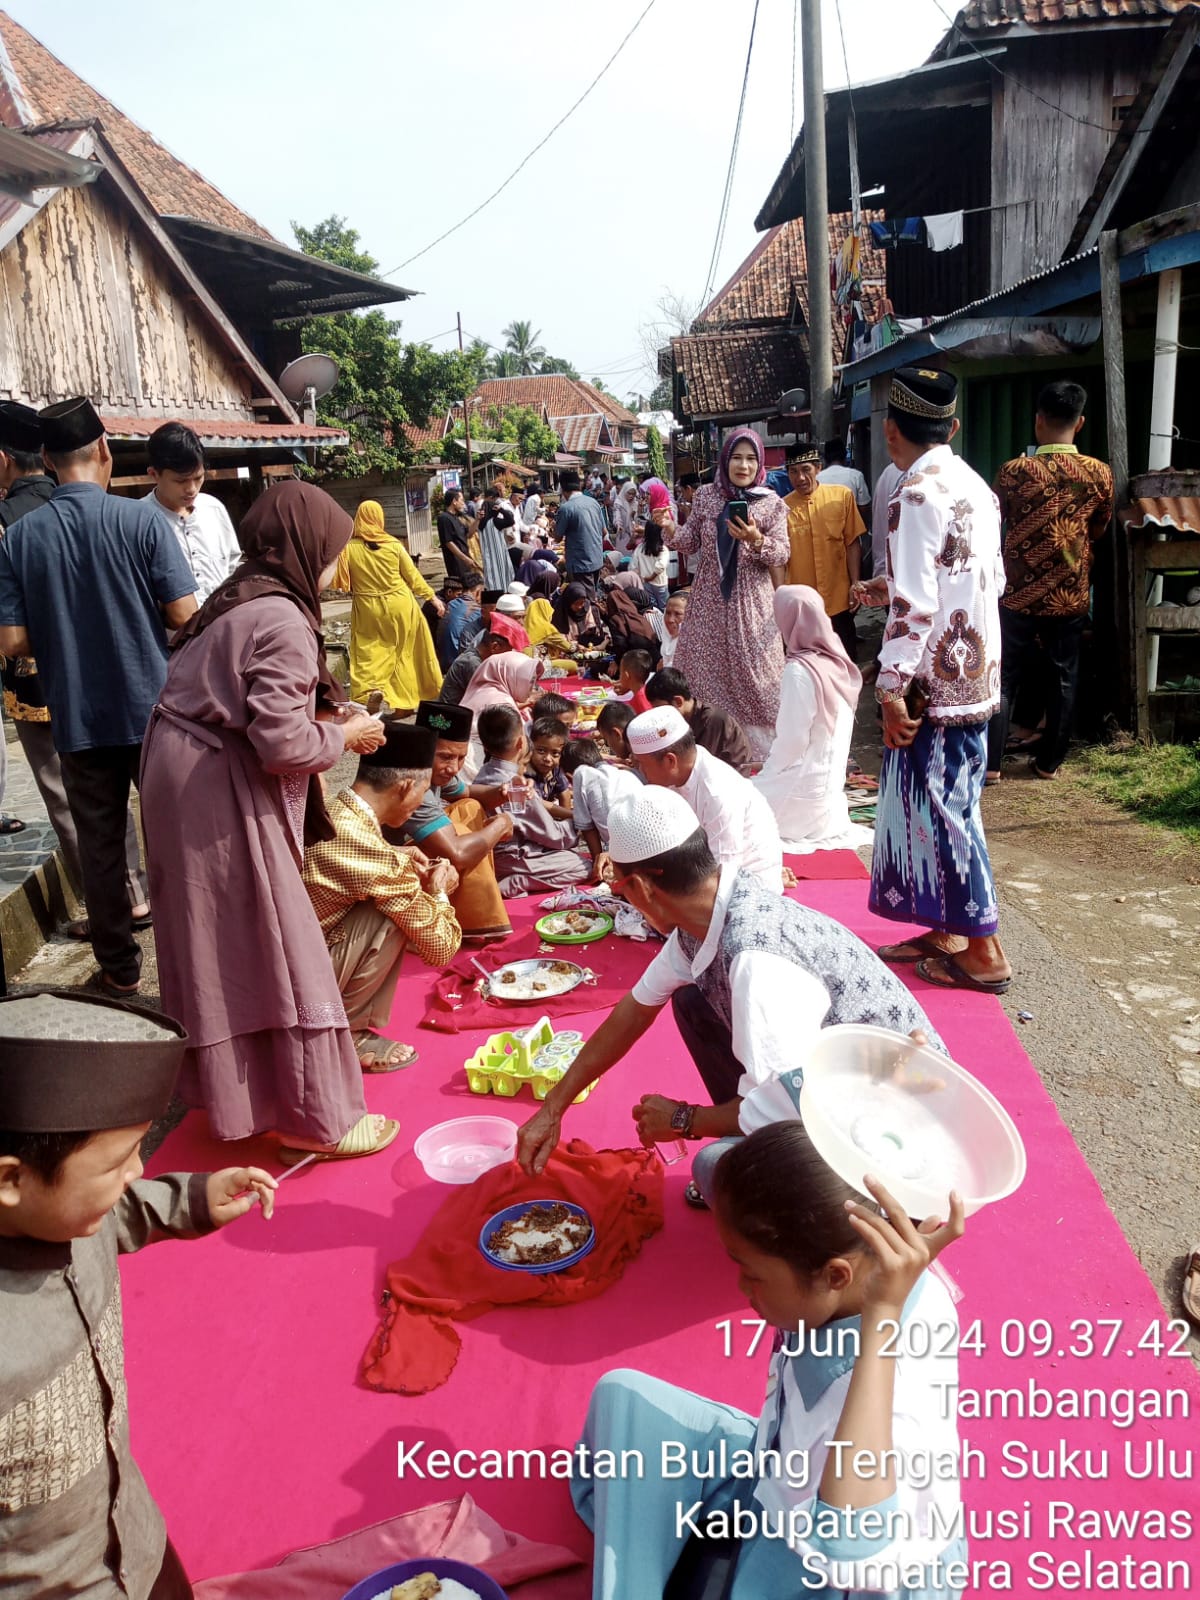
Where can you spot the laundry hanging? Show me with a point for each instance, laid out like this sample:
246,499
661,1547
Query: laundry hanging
944,231
894,231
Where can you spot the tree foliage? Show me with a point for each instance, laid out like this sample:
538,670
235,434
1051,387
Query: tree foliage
521,342
520,426
555,365
656,458
384,382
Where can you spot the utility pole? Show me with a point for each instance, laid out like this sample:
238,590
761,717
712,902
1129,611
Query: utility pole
816,226
466,419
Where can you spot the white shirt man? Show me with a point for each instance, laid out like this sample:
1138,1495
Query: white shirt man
850,478
739,822
207,540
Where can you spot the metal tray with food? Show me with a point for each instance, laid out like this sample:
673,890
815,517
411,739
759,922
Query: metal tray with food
538,978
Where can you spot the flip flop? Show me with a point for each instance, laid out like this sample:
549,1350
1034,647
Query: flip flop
10,824
1046,777
1190,1294
382,1053
361,1140
694,1198
959,977
923,944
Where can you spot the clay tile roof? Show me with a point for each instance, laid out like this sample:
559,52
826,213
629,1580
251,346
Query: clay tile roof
739,373
774,276
56,94
432,432
980,15
562,397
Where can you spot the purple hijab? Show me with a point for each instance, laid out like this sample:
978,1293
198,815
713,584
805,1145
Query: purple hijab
727,545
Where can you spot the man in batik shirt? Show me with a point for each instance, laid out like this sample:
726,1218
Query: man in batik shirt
938,685
1055,504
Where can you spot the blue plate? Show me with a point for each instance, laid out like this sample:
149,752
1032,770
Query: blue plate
510,1214
381,1582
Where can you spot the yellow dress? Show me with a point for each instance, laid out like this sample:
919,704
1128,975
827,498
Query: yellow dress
390,646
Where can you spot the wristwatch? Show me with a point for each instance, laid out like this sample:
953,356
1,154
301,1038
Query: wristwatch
682,1118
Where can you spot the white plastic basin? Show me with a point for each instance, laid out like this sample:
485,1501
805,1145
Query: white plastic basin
875,1102
459,1151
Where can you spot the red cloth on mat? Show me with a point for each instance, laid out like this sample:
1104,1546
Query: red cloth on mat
454,1530
617,963
829,866
447,1276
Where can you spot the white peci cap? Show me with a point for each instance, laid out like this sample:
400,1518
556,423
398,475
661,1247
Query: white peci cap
510,605
648,824
517,588
656,730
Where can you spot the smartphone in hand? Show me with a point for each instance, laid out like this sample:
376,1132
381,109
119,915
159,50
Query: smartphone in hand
739,511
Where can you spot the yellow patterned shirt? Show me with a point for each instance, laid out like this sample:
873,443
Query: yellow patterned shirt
359,865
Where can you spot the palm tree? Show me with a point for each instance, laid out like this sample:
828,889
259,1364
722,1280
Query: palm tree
506,365
522,343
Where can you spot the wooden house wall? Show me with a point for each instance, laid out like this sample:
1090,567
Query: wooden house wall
1052,124
88,305
416,529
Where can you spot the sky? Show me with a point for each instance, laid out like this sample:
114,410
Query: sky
403,115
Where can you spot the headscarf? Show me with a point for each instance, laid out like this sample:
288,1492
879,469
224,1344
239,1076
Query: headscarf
577,628
509,628
808,638
727,545
545,584
658,496
289,536
369,525
505,680
625,605
539,624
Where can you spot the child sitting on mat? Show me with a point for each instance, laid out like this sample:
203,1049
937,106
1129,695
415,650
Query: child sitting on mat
542,853
83,1079
636,668
555,705
596,786
547,740
861,1357
614,718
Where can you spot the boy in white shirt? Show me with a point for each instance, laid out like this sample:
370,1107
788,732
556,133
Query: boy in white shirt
199,521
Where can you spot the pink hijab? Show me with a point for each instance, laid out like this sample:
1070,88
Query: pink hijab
505,680
808,637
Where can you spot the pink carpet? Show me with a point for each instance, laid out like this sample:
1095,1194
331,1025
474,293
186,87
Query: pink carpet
257,1438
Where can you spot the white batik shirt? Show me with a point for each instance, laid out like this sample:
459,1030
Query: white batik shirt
739,822
945,576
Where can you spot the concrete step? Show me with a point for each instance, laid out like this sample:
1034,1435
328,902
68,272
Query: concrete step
35,895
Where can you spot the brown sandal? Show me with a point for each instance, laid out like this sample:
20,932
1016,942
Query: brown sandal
923,944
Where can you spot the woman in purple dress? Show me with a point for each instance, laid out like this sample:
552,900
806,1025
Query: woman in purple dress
230,792
729,647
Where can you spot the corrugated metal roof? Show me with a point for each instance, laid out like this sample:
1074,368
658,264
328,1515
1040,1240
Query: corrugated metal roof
30,161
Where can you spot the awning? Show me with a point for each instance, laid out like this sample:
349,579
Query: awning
42,161
235,434
1157,245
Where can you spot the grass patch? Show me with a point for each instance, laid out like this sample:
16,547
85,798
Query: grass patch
1158,783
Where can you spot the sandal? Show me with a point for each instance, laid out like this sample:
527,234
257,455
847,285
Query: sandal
922,946
1190,1293
694,1198
100,982
945,972
368,1135
1046,777
10,824
384,1055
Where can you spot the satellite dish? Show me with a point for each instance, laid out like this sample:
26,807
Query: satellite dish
791,404
316,372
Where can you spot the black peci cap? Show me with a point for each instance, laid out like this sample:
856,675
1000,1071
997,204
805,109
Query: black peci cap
19,428
406,747
452,723
69,425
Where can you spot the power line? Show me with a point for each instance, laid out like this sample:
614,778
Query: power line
737,134
856,196
1084,122
570,112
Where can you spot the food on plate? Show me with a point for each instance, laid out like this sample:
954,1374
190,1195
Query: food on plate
536,980
574,923
540,1235
425,1586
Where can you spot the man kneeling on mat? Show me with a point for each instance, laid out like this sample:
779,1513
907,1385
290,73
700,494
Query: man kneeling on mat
751,976
374,900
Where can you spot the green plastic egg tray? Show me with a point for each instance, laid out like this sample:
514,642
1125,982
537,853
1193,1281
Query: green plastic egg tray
505,1062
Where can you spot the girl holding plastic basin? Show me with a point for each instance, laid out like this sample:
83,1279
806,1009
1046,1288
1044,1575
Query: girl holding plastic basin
845,1284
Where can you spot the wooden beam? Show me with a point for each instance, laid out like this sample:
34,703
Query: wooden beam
1129,609
1158,104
